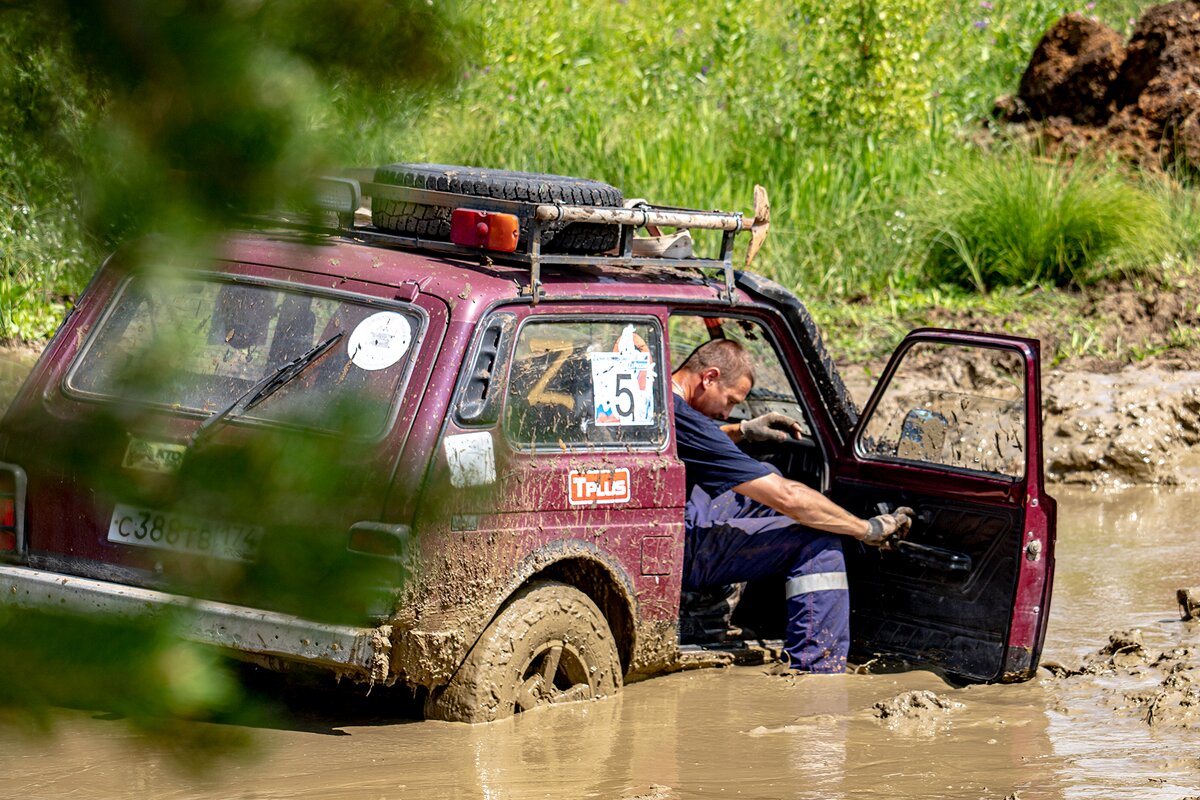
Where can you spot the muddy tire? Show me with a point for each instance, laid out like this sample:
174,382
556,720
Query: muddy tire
549,644
432,222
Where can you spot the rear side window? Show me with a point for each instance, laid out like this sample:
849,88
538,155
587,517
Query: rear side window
196,344
579,384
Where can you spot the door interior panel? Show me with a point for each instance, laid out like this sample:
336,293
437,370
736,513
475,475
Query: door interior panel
948,601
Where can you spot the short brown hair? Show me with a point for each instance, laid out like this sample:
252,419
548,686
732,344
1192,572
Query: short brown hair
728,356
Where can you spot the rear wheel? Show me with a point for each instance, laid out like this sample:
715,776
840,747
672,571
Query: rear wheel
434,222
549,644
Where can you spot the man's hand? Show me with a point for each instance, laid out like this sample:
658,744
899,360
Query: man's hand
887,529
772,427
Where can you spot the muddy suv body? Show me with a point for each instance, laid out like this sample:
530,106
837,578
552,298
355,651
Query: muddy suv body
510,481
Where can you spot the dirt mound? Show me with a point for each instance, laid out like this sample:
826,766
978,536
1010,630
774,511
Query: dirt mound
920,704
1086,90
1072,71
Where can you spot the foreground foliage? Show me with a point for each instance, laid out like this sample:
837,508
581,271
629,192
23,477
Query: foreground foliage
123,117
119,118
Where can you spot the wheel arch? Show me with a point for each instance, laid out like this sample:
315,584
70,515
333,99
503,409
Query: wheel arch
431,655
606,588
593,571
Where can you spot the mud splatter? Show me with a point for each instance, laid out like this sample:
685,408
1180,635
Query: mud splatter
918,705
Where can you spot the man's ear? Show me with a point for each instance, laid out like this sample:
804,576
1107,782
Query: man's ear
712,375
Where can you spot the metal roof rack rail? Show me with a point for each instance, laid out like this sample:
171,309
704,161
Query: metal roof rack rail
343,195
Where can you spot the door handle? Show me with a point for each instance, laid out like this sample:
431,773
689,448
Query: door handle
927,555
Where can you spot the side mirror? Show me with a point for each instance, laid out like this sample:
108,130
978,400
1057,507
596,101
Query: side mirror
922,436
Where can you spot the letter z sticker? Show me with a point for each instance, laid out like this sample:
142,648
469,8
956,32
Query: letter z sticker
598,486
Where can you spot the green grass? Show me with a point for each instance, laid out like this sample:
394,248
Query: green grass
44,262
1014,219
695,108
850,122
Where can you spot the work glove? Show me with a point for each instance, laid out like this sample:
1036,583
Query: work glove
771,427
887,529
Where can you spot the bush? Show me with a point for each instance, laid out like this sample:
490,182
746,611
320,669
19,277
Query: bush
1014,219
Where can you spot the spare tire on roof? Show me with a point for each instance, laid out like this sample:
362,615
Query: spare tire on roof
433,222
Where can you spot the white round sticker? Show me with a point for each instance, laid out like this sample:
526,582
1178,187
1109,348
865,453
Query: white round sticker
380,340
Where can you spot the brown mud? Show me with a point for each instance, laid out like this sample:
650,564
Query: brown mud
1114,718
1135,425
1087,90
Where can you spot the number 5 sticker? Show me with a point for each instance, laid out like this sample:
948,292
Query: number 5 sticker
623,388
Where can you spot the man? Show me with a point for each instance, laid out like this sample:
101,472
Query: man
745,521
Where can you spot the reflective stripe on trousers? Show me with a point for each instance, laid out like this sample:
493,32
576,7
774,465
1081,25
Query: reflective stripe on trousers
816,582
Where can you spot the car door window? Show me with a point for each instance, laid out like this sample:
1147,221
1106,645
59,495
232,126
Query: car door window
578,384
953,406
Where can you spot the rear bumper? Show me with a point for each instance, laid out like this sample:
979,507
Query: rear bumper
362,653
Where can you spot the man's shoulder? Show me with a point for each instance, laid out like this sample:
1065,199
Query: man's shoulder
712,459
687,417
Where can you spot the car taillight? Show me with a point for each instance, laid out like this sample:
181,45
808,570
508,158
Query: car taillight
485,229
12,508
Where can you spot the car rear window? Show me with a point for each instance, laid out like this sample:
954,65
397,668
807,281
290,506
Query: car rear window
195,344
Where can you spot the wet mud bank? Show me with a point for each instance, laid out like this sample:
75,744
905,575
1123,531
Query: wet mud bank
1160,687
1133,426
1139,425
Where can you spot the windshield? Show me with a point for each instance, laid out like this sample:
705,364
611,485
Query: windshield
198,344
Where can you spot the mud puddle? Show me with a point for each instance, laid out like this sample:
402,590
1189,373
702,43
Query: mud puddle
1079,732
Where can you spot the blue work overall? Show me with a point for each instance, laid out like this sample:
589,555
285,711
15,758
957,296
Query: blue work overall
732,538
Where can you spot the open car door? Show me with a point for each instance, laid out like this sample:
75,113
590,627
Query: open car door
953,431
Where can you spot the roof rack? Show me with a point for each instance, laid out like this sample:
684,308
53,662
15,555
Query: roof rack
343,195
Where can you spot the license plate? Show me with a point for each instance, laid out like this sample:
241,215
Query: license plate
181,533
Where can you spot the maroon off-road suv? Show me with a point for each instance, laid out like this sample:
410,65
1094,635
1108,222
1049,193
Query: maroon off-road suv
458,401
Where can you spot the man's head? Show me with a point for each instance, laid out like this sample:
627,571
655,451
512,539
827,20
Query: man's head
716,377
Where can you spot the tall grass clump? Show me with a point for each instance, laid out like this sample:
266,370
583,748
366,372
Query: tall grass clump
1017,220
1178,194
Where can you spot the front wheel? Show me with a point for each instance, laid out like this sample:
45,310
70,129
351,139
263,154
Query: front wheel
549,644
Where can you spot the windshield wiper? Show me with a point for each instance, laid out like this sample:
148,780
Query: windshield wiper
265,387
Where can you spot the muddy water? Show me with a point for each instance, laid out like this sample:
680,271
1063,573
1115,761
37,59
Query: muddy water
744,733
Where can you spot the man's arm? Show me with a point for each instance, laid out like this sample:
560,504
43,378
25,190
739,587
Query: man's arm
769,427
806,506
733,430
814,510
